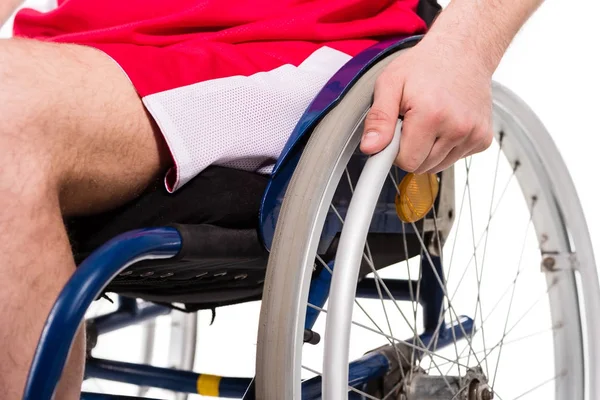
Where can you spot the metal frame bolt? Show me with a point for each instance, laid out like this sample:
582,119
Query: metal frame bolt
549,263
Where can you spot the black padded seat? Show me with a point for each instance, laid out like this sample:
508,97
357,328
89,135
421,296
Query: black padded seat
222,261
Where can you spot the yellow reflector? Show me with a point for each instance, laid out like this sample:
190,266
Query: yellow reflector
416,195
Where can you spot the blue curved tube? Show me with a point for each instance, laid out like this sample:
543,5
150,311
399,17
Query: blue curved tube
86,284
164,378
101,396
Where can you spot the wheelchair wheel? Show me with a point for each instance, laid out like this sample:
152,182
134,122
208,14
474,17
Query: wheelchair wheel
505,249
166,341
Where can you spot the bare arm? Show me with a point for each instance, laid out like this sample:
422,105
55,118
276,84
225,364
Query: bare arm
7,7
442,86
484,28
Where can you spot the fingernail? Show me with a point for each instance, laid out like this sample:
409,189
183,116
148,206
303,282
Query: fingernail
370,138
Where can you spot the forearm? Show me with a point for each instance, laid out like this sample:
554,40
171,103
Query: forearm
7,7
482,28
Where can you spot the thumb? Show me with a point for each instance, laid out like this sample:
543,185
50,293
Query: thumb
381,120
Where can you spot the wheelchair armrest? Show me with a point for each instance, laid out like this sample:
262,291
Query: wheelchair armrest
204,241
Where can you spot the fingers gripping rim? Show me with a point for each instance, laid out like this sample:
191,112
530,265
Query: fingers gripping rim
302,215
348,259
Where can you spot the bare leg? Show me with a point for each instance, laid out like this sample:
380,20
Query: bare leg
74,139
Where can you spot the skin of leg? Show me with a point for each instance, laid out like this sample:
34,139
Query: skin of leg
74,140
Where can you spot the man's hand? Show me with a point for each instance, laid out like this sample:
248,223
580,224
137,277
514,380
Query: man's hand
442,86
445,98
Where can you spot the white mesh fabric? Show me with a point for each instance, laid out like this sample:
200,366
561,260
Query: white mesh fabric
241,121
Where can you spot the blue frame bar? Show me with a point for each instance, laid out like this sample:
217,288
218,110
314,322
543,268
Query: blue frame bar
431,293
165,378
444,336
250,392
128,313
370,366
86,284
102,396
399,288
317,295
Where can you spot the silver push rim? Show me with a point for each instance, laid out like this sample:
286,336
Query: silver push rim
570,242
552,235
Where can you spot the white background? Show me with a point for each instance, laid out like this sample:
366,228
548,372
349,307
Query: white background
554,65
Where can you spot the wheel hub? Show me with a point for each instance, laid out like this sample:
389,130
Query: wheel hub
472,386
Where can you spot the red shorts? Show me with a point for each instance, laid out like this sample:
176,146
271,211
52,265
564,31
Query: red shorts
225,81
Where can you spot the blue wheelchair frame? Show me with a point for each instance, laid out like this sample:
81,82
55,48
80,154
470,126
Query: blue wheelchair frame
94,274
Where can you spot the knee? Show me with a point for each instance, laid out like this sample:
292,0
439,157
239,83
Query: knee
22,91
26,148
27,165
25,177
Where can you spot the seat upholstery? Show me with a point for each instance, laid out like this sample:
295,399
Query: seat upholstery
222,262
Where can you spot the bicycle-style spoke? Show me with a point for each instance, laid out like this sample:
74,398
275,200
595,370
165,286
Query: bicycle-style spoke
430,243
366,314
414,301
512,296
486,232
442,309
483,234
438,278
540,297
388,292
441,313
442,287
424,350
539,385
350,388
377,285
393,390
487,352
535,303
477,272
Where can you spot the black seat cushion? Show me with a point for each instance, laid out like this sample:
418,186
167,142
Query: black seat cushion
218,215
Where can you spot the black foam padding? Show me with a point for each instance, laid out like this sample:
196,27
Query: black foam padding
200,242
221,262
219,196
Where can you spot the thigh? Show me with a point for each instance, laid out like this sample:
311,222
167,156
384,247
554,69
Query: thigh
75,105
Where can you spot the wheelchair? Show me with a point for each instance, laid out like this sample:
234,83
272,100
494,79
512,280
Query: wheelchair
478,283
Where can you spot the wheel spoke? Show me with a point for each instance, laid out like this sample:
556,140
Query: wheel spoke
359,306
487,352
377,285
438,278
350,388
441,314
424,350
442,309
442,287
393,390
462,203
486,232
483,234
388,292
540,297
539,385
414,302
477,272
514,288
